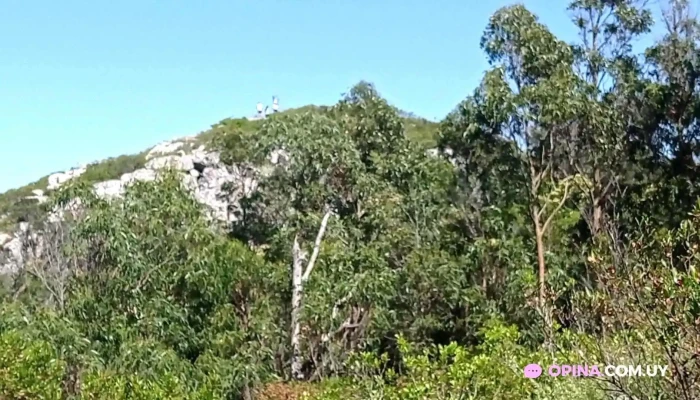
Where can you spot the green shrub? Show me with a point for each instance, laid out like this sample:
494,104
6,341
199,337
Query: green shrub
29,369
493,370
113,168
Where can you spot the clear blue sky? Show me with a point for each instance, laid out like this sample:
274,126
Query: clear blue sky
86,80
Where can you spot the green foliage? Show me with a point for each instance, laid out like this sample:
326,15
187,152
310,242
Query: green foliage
15,207
559,225
113,168
492,370
28,369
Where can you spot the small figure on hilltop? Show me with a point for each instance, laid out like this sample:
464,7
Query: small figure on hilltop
260,109
275,104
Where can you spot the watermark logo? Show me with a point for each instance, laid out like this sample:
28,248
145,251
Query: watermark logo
533,371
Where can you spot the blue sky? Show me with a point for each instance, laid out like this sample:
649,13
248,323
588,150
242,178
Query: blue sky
86,80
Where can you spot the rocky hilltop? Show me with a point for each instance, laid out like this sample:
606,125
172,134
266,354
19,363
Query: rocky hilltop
193,159
201,171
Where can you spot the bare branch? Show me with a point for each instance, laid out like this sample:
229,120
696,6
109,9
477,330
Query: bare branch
317,246
564,197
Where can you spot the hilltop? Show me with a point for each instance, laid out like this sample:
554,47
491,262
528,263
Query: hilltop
23,203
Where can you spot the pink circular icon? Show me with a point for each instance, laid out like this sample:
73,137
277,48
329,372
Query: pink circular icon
532,371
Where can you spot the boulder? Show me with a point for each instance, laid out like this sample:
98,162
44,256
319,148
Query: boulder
58,179
202,159
279,156
11,255
109,189
209,190
140,175
181,163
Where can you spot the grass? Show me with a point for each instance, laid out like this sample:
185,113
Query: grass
15,207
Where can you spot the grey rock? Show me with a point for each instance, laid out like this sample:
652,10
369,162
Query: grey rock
109,189
4,238
181,163
140,175
164,148
11,255
58,179
202,173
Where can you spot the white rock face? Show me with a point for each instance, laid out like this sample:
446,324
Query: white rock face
181,163
203,158
189,181
140,175
38,195
202,173
164,148
13,247
109,189
209,190
279,157
4,238
58,179
11,256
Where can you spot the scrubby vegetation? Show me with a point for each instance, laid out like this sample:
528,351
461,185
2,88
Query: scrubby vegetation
563,229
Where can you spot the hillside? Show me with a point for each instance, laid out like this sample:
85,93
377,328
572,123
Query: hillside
541,242
20,204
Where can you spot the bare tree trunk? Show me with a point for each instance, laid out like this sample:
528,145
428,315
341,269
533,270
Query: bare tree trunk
542,305
597,219
597,202
297,289
299,277
539,240
247,393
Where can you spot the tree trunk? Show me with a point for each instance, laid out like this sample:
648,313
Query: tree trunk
297,293
539,240
597,218
543,307
299,277
597,205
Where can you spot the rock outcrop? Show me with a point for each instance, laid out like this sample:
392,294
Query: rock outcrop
202,172
58,179
11,246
